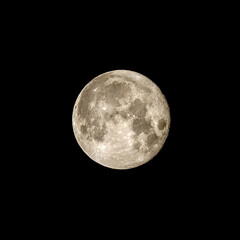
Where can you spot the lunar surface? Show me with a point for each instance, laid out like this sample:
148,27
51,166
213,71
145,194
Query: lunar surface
121,119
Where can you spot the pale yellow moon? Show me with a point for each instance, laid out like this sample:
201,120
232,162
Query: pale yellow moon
121,119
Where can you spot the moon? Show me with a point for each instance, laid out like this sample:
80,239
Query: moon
121,119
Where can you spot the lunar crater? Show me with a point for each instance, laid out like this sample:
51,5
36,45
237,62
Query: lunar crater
121,119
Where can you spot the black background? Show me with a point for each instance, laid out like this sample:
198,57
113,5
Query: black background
53,51
59,52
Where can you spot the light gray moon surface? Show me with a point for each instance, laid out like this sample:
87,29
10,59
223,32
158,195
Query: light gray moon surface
121,119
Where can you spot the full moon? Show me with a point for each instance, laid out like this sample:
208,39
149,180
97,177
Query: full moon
121,119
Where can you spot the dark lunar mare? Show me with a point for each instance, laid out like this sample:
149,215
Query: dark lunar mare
161,124
140,124
111,94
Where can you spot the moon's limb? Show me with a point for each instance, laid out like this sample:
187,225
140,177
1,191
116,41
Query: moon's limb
121,119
